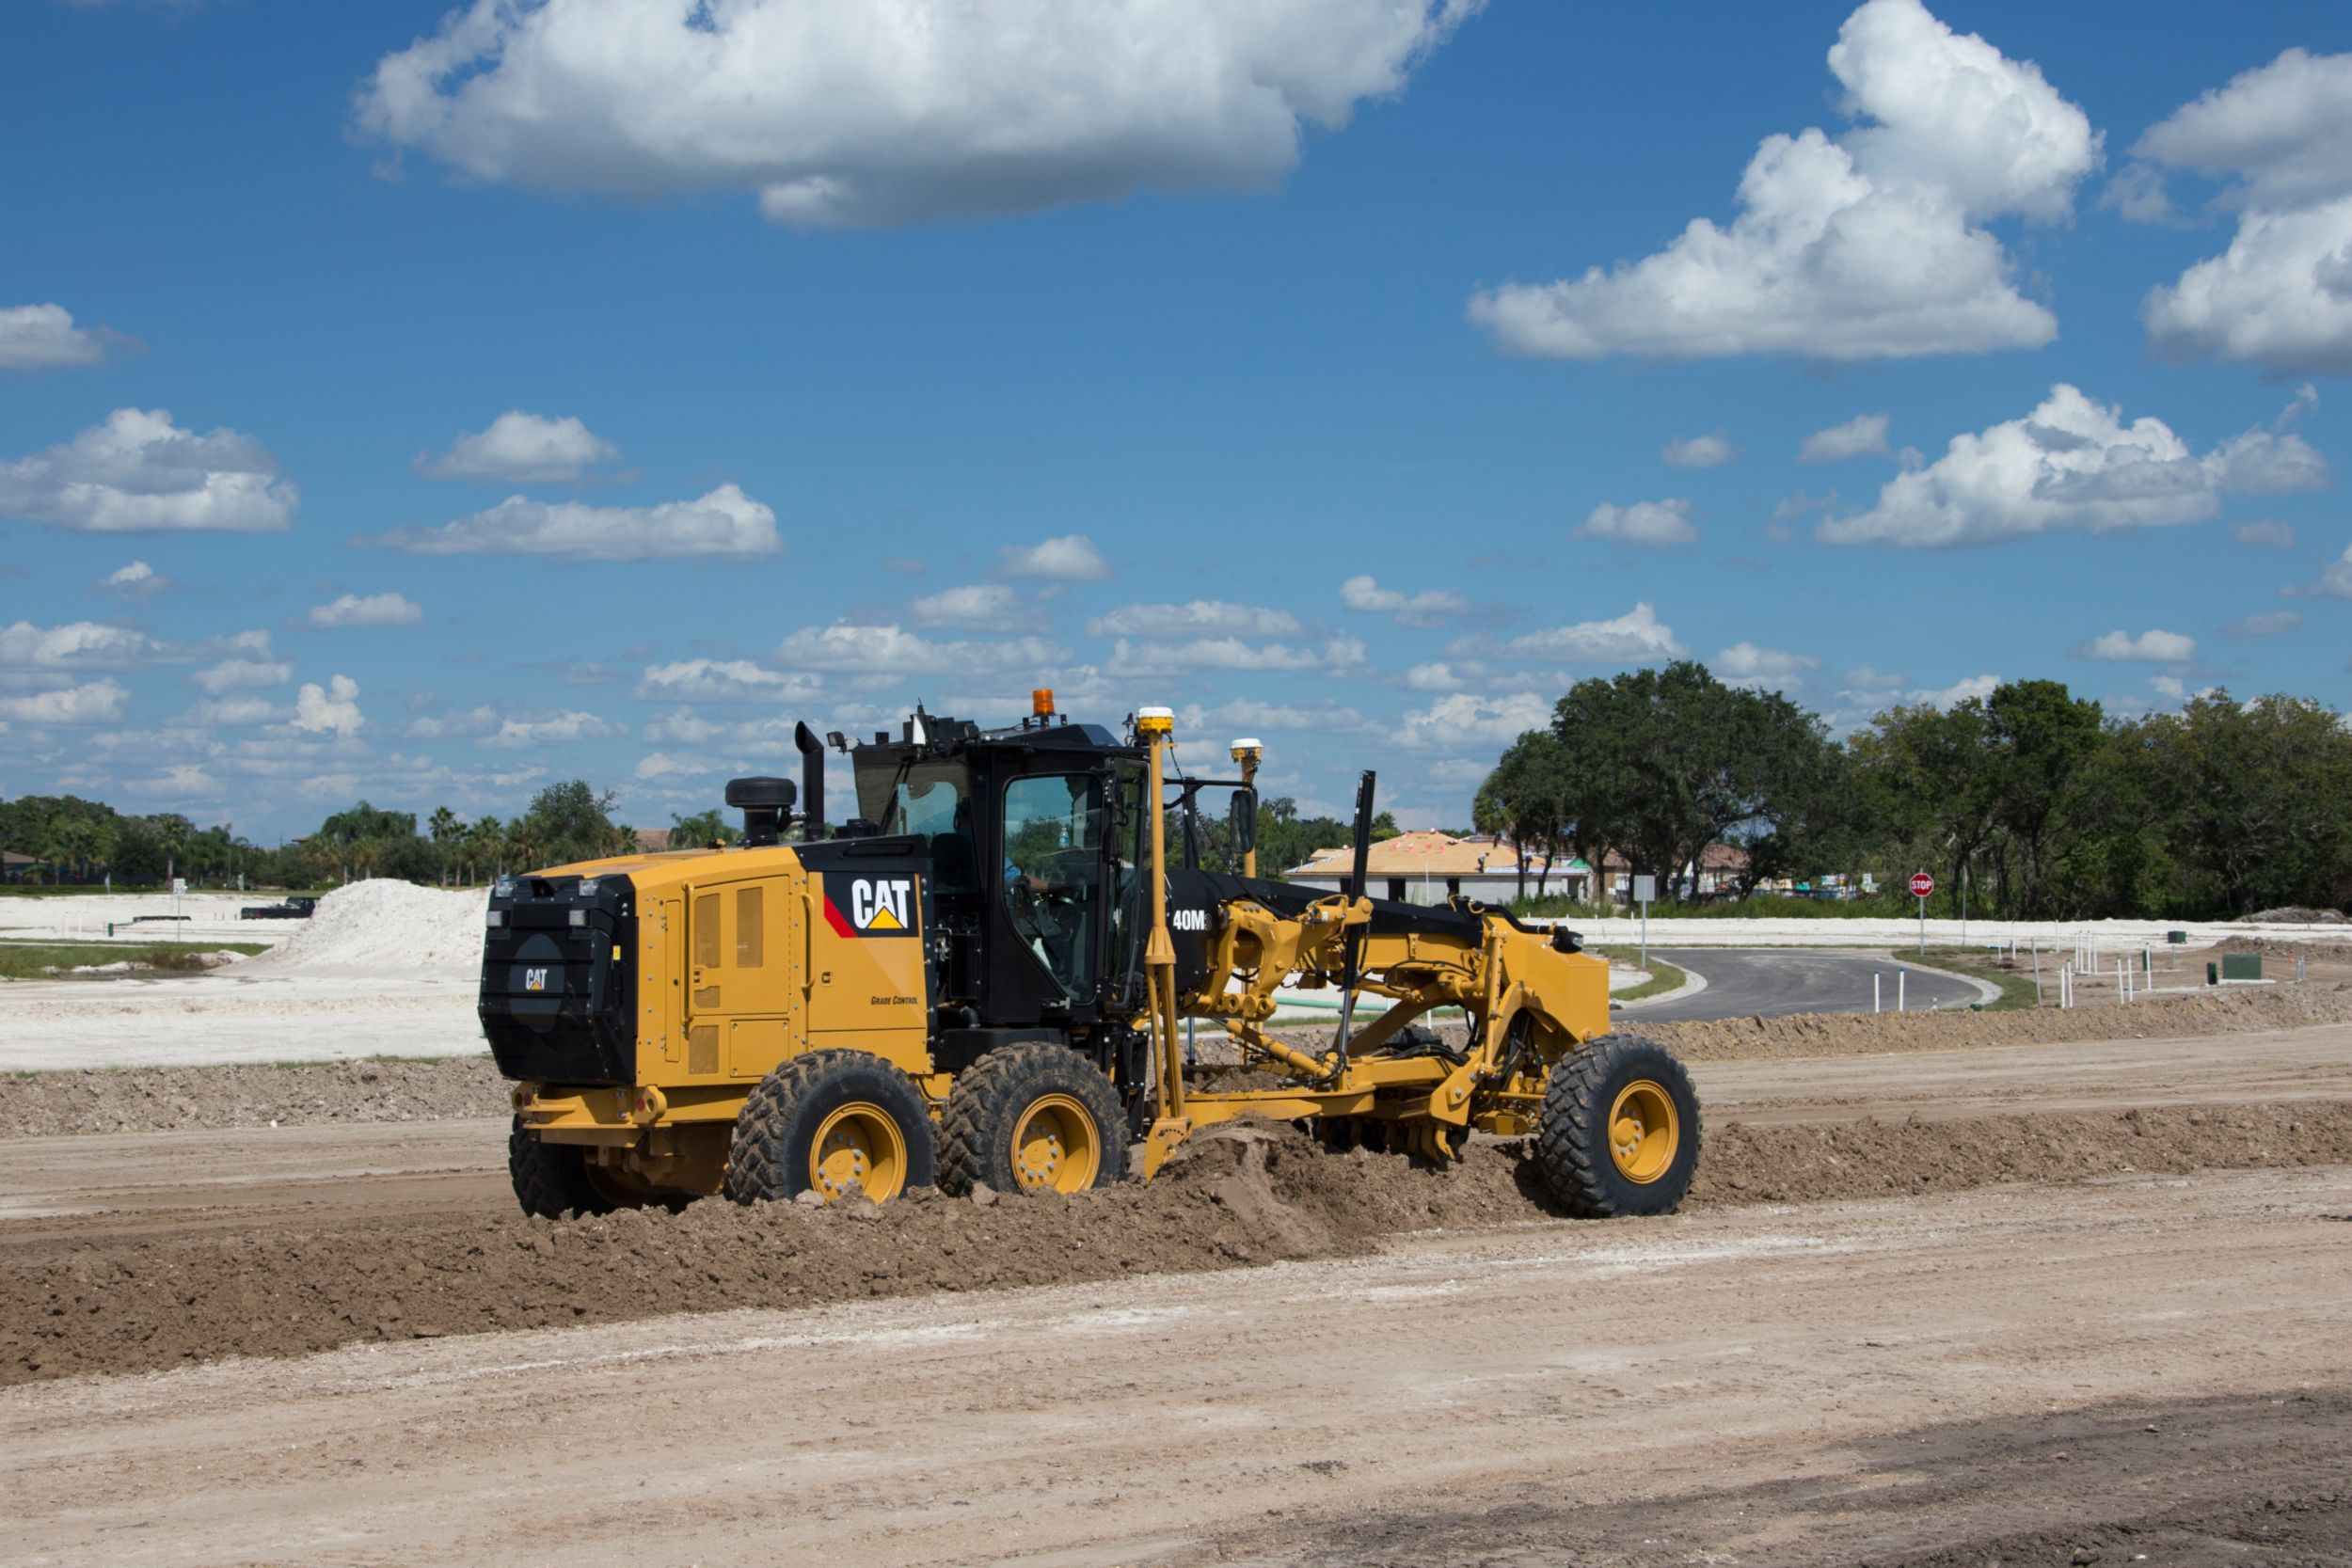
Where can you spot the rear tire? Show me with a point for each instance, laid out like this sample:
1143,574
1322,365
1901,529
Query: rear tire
551,1180
1031,1117
828,1118
1619,1133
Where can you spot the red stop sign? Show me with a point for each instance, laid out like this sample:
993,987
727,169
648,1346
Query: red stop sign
1922,885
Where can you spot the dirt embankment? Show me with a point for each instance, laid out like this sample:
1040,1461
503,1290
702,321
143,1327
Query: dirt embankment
163,1100
1867,1035
176,1098
1235,1196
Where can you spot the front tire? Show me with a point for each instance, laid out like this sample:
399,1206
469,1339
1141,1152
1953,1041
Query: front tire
829,1122
1032,1116
1619,1133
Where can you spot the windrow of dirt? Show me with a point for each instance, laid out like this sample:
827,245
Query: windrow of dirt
2226,1012
157,1100
1235,1196
176,1098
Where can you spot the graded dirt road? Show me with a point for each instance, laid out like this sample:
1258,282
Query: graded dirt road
62,1192
1762,1384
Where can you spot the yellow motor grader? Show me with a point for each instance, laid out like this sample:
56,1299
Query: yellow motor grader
994,973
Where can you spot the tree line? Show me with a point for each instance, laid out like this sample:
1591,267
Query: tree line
2031,803
84,841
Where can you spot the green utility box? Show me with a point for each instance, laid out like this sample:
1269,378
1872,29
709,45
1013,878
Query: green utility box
2241,966
2178,939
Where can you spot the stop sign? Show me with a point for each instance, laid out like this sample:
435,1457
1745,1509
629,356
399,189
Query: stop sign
1922,885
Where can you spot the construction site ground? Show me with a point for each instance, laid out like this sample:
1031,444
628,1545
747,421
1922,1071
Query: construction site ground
2006,1287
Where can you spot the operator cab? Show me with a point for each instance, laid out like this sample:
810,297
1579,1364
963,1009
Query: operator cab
1035,839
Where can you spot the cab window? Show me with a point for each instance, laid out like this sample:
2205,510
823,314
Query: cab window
1052,874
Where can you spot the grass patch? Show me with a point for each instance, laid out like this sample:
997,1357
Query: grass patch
2017,993
31,960
1663,977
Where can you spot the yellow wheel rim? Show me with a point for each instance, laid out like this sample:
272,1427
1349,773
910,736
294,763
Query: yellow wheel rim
1055,1144
1643,1131
862,1144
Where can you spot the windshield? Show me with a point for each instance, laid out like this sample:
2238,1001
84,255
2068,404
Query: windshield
925,798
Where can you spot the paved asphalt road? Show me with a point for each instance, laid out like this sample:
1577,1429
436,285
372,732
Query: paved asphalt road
1744,982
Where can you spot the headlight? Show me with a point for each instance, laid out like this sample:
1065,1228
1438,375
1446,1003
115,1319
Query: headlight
587,889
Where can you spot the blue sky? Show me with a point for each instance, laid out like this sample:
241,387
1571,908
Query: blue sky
591,388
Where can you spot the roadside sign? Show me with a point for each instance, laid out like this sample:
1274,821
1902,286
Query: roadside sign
1922,885
1645,889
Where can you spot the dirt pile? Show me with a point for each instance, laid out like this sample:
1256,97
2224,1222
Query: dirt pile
1236,1197
154,1100
2295,914
1863,1034
384,928
1869,1159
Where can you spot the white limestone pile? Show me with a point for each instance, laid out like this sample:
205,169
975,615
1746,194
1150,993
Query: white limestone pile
384,927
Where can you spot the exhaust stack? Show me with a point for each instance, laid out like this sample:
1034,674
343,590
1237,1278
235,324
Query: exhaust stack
812,781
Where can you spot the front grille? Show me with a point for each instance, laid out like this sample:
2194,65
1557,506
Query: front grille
559,979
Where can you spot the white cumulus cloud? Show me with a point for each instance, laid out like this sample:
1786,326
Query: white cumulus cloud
74,646
99,702
138,580
1700,451
1200,618
236,674
2281,295
1070,557
1337,655
2334,583
522,448
2152,647
976,607
554,729
723,680
1863,436
1627,639
1466,720
140,473
1656,524
2072,463
1429,608
861,112
1746,664
43,338
333,709
890,650
724,523
374,610
1867,244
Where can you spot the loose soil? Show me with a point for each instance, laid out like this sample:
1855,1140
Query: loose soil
154,1099
134,1100
1944,1379
2256,1479
1234,1197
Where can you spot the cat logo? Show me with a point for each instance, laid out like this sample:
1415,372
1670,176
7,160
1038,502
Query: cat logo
878,907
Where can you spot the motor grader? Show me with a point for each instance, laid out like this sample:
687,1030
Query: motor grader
995,972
